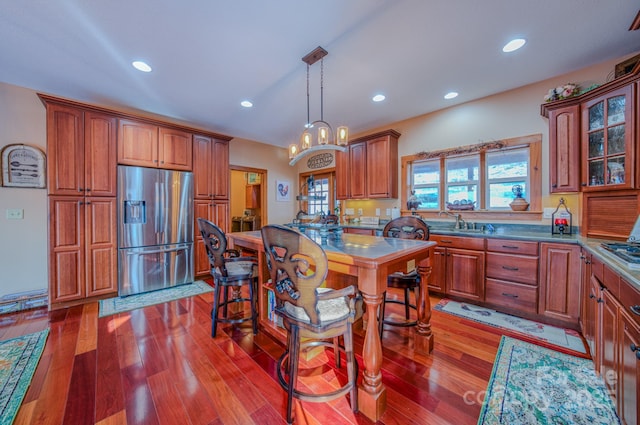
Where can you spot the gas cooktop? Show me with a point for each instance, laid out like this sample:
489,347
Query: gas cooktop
628,253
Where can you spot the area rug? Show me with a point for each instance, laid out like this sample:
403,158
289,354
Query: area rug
565,340
19,358
117,305
535,385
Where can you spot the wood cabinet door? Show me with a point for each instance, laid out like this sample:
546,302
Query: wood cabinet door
609,340
101,245
465,274
100,157
588,308
438,270
358,170
66,249
629,371
342,175
220,165
201,209
560,282
564,149
175,149
65,150
382,166
137,143
608,136
202,167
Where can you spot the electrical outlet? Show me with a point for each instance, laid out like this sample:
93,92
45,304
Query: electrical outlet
349,211
377,212
15,214
388,212
359,211
547,212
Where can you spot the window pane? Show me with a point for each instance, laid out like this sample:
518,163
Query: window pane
426,172
462,169
428,197
320,189
508,164
501,194
459,193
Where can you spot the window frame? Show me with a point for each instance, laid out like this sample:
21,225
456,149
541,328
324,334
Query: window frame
533,142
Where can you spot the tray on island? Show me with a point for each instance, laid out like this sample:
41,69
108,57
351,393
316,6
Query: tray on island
463,205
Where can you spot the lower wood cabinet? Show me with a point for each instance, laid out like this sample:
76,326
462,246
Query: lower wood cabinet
629,369
218,213
459,267
559,283
82,251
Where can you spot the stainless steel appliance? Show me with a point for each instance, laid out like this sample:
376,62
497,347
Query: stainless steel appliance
629,252
155,229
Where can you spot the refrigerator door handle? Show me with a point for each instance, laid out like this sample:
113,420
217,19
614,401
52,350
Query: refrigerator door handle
156,214
159,251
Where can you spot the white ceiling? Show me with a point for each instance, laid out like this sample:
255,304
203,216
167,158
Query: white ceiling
208,55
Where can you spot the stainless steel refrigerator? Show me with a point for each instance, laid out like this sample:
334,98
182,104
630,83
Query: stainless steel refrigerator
155,229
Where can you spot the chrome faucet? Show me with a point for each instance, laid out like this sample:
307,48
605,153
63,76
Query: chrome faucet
459,221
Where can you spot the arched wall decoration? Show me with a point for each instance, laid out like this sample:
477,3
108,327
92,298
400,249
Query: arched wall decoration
321,160
23,166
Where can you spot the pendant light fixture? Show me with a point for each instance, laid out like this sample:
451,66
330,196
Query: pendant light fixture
324,135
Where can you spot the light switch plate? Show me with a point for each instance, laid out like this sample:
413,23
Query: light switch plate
348,211
547,212
378,212
15,214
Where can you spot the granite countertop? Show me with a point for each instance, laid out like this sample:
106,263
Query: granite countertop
538,233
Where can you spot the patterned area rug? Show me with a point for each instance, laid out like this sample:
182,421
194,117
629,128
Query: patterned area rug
534,385
19,358
565,340
121,304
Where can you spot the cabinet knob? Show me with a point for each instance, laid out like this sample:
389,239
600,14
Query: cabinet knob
505,294
584,184
554,186
513,269
600,300
80,189
592,296
633,347
635,309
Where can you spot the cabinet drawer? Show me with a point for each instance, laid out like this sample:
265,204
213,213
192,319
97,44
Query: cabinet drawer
514,296
512,247
597,268
630,300
515,268
458,242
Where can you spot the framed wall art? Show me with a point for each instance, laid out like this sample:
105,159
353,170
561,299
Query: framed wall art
23,166
283,190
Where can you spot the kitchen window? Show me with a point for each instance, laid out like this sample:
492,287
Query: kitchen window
320,194
483,175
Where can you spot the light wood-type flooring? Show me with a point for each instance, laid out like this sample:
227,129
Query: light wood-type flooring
159,365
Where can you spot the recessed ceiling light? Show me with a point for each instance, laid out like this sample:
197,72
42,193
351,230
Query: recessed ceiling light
246,104
451,95
379,98
513,45
141,66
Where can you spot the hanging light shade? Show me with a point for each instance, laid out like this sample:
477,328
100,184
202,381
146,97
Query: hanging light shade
325,137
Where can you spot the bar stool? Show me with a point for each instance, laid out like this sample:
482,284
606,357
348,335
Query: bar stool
406,227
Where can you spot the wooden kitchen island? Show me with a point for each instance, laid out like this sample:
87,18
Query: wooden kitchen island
366,261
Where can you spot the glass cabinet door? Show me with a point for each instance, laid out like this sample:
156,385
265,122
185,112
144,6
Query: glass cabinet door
607,141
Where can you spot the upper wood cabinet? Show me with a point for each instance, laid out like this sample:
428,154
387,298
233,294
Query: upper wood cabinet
564,149
592,139
370,168
81,147
210,168
148,145
607,141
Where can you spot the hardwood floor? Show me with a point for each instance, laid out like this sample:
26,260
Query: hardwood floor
159,365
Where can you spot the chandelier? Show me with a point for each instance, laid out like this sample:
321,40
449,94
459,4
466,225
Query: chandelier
325,137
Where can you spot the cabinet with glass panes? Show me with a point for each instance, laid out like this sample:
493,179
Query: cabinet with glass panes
607,141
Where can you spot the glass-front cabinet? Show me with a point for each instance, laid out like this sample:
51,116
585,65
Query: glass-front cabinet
607,149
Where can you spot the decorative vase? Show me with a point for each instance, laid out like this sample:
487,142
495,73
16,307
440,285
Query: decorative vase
519,204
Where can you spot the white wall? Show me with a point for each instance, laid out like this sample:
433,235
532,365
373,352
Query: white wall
23,243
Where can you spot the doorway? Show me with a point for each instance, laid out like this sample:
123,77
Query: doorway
247,202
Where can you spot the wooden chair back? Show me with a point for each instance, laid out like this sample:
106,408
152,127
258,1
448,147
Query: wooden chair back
406,227
297,266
